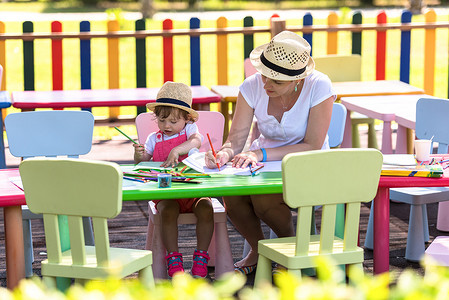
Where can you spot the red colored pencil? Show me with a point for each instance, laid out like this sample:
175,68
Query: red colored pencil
213,151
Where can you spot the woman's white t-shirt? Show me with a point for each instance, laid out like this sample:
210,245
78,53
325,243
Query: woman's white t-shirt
292,128
191,128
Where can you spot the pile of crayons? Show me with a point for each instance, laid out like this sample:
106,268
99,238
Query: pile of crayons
151,175
439,161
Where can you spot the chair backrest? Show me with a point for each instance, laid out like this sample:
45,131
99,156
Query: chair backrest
49,133
211,122
88,188
337,125
328,178
432,119
340,67
248,68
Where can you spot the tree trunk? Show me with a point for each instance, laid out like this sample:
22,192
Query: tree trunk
147,8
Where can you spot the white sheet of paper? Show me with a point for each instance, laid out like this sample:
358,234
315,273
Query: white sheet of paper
17,181
399,159
197,162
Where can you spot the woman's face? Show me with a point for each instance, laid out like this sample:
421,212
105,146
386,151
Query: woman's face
277,88
171,125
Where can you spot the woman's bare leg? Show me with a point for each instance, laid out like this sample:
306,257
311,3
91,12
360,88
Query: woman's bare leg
169,211
275,213
204,213
241,212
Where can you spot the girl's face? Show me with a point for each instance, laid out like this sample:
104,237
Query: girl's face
277,88
172,124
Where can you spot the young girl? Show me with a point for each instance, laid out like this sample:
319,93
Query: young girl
177,135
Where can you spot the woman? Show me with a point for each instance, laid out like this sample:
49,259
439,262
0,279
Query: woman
292,103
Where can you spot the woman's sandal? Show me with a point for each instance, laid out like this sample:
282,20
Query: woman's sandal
245,270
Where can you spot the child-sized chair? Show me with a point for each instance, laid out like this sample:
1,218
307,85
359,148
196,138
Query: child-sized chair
48,133
431,121
219,250
68,189
351,176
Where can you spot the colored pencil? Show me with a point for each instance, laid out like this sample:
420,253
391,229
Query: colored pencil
213,151
126,136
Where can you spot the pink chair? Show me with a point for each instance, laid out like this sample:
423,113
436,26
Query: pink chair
438,250
219,250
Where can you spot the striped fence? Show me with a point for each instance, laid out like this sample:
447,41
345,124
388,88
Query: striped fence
222,32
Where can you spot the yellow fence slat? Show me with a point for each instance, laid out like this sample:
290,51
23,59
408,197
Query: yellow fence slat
429,54
113,64
332,36
222,53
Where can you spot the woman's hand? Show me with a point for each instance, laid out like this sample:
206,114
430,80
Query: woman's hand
245,159
211,162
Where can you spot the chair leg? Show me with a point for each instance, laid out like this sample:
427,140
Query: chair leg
150,232
263,272
212,249
415,237
50,282
28,247
88,232
355,136
372,138
225,263
146,277
443,219
369,231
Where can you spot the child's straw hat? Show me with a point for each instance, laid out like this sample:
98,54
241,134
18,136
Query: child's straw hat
175,94
285,57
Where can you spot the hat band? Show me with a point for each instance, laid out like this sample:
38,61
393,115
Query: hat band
280,69
172,101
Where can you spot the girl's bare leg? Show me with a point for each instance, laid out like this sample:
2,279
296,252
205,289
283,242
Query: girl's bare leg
169,211
204,212
241,212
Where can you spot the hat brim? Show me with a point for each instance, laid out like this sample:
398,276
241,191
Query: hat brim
267,72
192,112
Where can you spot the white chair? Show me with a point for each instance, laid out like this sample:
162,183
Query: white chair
48,133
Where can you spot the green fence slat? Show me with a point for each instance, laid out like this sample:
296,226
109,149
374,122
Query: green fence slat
28,58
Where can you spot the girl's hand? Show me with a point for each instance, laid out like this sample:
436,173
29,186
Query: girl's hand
245,159
211,161
139,149
172,159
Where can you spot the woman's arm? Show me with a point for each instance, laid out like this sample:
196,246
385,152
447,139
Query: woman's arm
317,127
194,141
238,135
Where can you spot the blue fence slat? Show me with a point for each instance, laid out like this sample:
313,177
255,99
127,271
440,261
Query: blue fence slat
195,61
404,66
307,20
85,60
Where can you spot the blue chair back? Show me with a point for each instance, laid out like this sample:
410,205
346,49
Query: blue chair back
49,133
337,125
432,119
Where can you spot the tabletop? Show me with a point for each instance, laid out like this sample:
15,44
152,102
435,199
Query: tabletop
10,194
100,98
228,93
5,99
399,108
374,88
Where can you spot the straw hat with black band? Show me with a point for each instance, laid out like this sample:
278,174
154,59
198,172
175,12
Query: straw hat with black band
175,94
286,57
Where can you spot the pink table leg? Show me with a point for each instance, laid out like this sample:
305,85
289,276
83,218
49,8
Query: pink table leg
387,145
347,136
381,241
15,260
401,140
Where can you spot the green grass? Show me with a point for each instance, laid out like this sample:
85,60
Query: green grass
14,65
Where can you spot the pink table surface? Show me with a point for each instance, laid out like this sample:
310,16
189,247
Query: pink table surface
100,98
11,199
381,241
386,109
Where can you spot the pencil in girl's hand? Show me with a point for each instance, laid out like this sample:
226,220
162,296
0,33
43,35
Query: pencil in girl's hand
213,151
126,136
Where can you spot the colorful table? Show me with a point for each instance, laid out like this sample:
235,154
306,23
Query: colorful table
386,109
11,199
201,95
